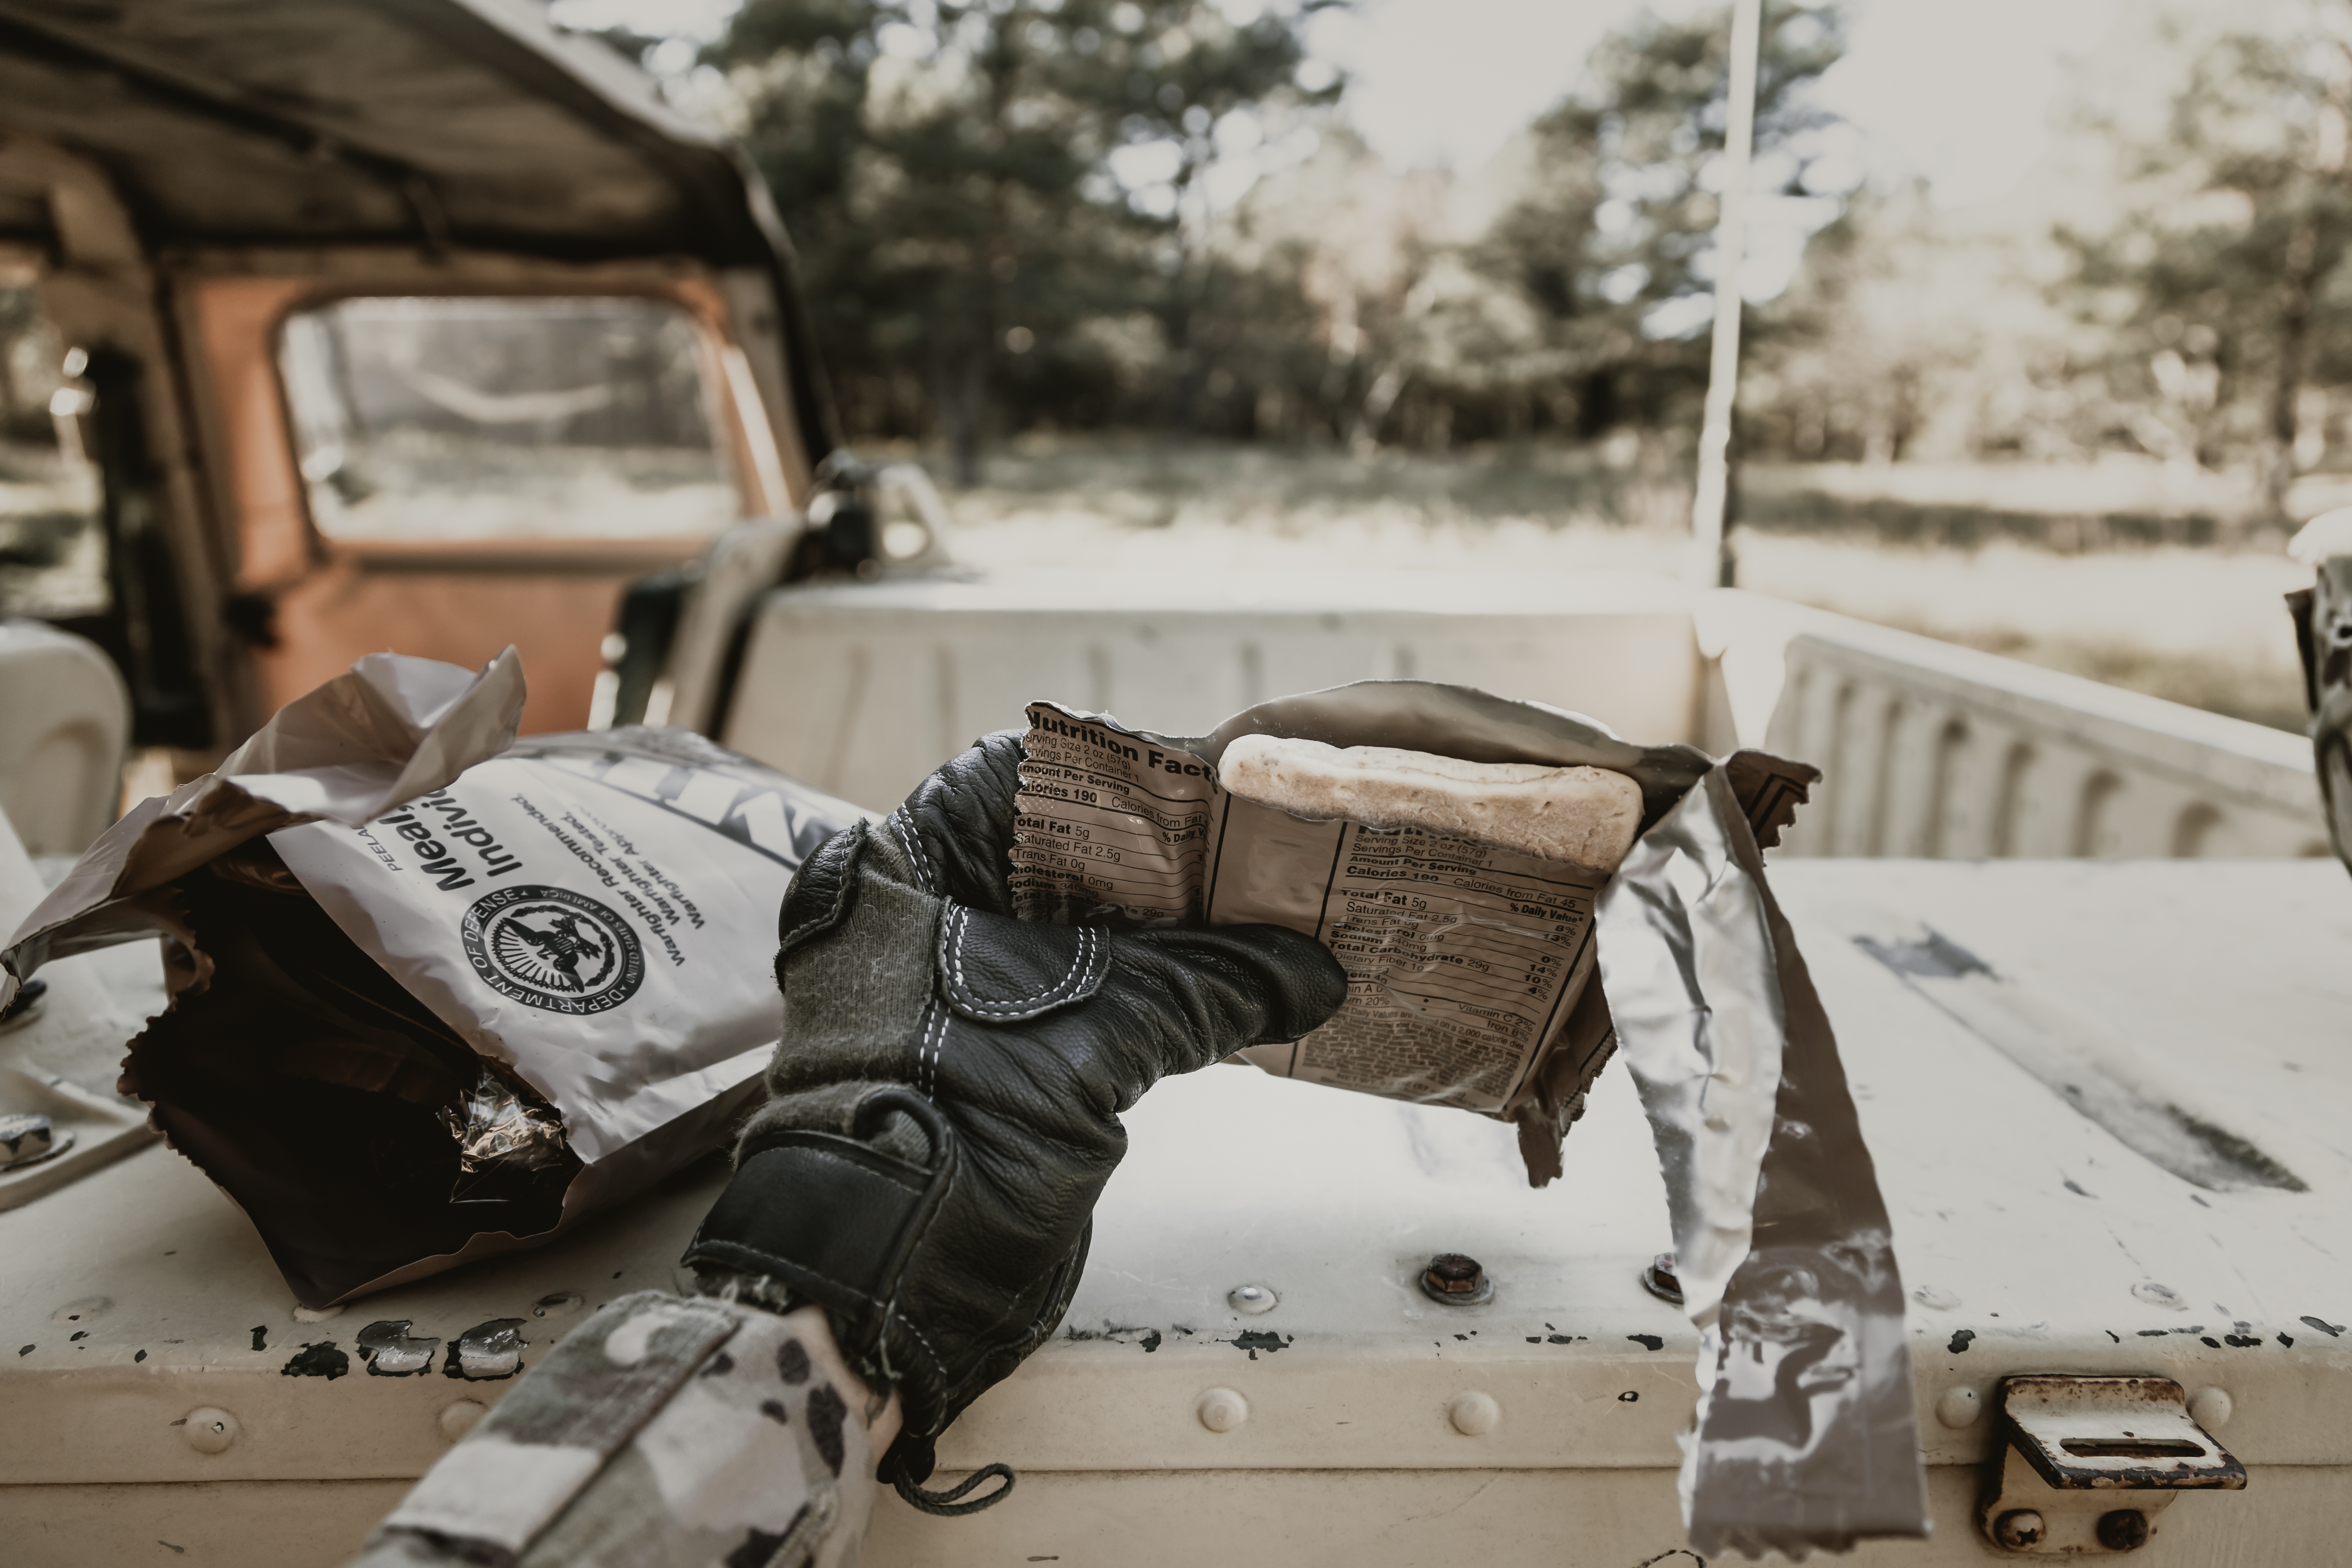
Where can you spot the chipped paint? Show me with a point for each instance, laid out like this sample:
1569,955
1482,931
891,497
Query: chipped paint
390,1350
487,1352
320,1359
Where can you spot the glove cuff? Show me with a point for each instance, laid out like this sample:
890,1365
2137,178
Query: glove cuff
834,1220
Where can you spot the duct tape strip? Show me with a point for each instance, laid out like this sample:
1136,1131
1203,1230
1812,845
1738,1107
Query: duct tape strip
1805,1437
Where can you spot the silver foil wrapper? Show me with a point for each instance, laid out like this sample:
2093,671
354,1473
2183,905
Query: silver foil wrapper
1805,1435
498,1129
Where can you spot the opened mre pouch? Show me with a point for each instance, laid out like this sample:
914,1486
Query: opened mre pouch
437,992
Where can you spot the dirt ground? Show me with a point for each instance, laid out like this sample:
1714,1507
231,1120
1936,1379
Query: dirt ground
2199,624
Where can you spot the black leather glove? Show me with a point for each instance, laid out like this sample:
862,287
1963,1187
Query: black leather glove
944,1105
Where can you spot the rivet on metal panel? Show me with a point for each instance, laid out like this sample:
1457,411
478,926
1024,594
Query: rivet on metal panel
1958,1407
2164,1295
2018,1529
557,1302
1457,1281
81,1310
1251,1299
208,1430
2211,1408
1659,1279
1222,1409
1474,1415
458,1417
1939,1300
2125,1530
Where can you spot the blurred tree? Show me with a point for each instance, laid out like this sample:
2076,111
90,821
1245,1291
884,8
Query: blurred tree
1585,305
984,196
2236,225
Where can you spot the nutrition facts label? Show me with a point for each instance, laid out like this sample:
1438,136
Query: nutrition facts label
1110,825
1458,958
1462,959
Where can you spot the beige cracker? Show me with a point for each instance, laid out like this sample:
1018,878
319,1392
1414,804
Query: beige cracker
1587,816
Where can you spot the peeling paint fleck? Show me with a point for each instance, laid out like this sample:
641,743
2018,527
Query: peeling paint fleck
1151,1342
487,1350
1648,1341
390,1350
2324,1326
1257,1339
320,1359
1960,1339
140,1356
261,1336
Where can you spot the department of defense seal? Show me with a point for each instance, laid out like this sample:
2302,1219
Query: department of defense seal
552,948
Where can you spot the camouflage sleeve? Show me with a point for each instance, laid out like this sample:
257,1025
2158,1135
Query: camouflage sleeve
665,1432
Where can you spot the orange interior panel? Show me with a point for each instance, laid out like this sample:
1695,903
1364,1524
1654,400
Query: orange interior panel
457,601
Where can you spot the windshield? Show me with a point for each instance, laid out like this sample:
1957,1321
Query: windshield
455,419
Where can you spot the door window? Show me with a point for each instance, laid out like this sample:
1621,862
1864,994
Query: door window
441,420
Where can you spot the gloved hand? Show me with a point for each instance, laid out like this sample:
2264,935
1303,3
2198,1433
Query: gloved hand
944,1105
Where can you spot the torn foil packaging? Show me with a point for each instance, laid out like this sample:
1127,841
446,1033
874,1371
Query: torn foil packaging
438,992
1470,974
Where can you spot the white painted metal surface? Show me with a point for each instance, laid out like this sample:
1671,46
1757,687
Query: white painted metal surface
60,1055
1944,753
1931,751
2030,1238
65,717
863,689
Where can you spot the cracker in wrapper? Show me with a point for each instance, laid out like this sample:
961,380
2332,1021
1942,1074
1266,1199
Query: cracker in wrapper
1516,894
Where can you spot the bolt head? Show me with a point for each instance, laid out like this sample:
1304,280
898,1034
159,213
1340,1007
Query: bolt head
2125,1530
1454,1274
1457,1281
2020,1529
208,1429
1251,1299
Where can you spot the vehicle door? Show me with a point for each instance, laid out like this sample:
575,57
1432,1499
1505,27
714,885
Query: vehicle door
443,467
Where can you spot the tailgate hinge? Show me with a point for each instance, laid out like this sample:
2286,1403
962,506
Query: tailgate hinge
2068,1445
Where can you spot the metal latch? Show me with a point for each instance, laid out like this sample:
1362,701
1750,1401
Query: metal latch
2070,1445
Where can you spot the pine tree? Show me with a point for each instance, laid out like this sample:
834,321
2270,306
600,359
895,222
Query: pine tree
946,170
1608,255
2214,283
